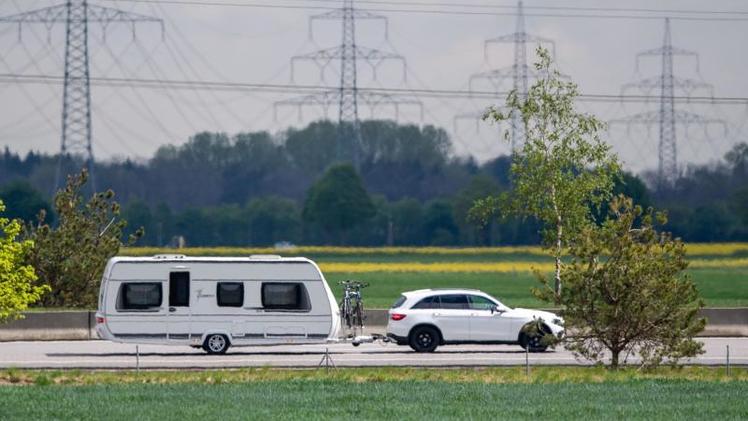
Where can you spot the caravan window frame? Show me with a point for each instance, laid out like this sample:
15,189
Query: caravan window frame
218,293
120,304
304,302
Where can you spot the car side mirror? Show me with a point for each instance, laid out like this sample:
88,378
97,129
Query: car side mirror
496,309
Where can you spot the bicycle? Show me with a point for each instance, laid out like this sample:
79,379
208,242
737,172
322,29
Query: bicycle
352,304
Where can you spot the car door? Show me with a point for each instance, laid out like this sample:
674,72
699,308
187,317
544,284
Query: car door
487,325
453,317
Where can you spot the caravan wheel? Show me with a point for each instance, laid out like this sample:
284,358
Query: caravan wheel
216,344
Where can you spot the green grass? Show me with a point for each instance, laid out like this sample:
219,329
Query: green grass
718,287
493,375
382,394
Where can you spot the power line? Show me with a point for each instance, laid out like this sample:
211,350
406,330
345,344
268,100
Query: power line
314,89
509,6
685,15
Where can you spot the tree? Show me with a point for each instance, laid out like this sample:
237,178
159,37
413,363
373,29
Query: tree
138,213
17,277
23,201
70,258
562,170
480,186
338,202
625,290
439,224
407,220
273,219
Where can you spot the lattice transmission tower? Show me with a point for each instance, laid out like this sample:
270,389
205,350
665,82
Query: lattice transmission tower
518,73
76,97
667,116
347,95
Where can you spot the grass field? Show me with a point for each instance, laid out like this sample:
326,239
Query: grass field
719,270
551,393
718,288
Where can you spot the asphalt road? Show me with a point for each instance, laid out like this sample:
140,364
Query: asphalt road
108,355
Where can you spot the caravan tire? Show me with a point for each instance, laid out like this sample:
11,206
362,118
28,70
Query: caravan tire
216,344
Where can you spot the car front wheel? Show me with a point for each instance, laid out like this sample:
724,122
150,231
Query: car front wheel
424,339
533,341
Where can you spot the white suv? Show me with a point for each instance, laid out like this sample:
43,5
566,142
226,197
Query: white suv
427,318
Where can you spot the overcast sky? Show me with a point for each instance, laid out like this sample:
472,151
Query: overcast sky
254,45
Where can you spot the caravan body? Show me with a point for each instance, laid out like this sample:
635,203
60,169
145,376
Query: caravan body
216,302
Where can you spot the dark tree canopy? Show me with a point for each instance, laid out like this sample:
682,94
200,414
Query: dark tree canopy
23,201
338,202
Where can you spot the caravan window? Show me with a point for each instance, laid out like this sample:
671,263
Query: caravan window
230,294
285,296
139,296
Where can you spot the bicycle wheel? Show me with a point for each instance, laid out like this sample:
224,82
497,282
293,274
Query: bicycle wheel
345,313
359,314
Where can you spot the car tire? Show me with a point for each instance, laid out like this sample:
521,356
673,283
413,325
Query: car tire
424,339
532,342
216,344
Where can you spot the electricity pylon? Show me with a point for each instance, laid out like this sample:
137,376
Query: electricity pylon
518,73
667,116
76,97
347,96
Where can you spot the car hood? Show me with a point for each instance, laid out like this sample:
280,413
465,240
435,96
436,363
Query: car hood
531,314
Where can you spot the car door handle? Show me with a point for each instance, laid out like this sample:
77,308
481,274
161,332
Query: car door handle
437,314
172,309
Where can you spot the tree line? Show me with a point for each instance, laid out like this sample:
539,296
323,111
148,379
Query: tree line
252,189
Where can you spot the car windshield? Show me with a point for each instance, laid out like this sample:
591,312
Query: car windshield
499,304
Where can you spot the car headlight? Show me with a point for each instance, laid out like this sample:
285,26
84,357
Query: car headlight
558,321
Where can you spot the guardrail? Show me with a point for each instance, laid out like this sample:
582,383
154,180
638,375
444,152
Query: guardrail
79,325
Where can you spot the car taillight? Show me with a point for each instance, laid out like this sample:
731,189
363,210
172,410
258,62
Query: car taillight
100,320
397,316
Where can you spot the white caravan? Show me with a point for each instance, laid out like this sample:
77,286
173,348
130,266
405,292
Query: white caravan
216,302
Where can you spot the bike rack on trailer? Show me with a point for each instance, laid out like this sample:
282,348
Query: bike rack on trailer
352,291
361,339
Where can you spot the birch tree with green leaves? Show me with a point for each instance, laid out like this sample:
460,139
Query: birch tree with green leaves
563,169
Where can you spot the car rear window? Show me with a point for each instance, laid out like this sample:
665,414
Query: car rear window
399,302
428,302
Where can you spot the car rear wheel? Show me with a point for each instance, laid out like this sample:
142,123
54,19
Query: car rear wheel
216,344
424,339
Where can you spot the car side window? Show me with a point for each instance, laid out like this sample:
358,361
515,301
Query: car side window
426,303
480,303
454,302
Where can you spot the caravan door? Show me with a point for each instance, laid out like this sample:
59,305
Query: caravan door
179,313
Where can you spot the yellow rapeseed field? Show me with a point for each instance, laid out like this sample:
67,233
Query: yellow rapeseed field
475,267
721,257
493,267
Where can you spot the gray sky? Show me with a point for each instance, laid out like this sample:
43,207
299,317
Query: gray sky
248,44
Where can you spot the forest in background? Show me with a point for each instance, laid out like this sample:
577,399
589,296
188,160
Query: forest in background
254,189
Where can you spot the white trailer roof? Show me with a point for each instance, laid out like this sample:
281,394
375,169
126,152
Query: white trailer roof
214,268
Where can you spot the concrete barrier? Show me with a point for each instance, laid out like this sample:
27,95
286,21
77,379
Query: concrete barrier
53,325
79,325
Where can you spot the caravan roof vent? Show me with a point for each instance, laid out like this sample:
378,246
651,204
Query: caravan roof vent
169,256
265,256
